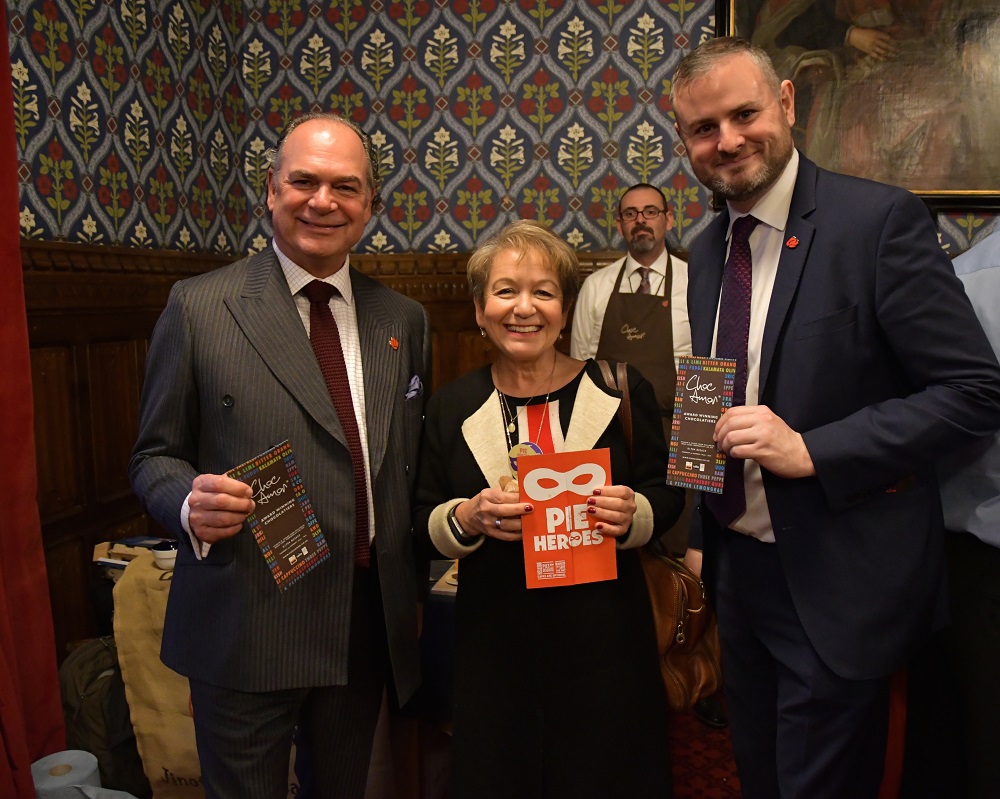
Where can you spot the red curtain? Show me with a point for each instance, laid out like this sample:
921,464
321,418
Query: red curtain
31,723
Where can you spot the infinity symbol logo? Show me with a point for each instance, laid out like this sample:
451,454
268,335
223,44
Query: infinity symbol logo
542,485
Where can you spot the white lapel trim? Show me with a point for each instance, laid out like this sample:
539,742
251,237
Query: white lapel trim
480,433
592,413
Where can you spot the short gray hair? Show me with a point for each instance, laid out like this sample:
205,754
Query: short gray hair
371,154
700,61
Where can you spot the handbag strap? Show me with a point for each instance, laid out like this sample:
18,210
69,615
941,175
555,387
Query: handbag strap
625,407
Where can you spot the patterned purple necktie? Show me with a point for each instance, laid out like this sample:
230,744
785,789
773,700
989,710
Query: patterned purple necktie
325,339
644,282
731,340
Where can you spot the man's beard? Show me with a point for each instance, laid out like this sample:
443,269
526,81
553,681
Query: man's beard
644,244
754,185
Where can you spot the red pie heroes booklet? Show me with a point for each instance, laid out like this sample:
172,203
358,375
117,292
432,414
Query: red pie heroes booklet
561,546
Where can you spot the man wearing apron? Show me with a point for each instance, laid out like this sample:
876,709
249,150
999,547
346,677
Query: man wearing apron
635,310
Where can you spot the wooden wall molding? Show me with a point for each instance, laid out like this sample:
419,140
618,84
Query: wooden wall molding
57,256
66,256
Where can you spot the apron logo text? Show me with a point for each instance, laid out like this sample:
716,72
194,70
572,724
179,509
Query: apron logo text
632,333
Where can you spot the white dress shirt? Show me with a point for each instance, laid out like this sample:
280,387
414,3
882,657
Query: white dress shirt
766,242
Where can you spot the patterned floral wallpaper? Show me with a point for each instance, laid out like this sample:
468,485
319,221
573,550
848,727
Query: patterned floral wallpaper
144,123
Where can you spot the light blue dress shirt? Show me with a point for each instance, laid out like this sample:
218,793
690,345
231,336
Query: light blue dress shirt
970,481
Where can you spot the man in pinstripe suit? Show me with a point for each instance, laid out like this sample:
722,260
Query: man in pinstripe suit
230,373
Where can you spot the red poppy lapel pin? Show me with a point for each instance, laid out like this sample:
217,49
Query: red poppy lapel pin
393,342
792,243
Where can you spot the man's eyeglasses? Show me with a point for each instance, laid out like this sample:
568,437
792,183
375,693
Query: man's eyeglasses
649,212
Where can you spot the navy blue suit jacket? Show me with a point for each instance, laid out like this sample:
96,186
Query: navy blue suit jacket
872,351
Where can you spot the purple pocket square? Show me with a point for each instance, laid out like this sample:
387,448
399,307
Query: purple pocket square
415,389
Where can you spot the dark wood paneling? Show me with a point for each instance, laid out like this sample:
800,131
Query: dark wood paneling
70,590
90,314
114,379
56,406
473,350
91,311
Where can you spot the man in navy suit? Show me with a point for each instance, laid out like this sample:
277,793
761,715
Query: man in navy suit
863,364
231,372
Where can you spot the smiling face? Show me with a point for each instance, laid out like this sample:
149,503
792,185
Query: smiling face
523,311
319,196
738,134
646,238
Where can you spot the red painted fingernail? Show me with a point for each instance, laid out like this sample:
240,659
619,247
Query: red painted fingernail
591,501
528,509
597,491
591,510
598,526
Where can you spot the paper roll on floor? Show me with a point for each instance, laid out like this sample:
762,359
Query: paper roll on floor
56,775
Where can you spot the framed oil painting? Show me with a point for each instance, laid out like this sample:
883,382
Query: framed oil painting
905,92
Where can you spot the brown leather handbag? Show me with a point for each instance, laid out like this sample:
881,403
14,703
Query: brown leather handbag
687,635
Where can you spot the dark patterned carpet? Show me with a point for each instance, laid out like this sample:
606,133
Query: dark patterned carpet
702,760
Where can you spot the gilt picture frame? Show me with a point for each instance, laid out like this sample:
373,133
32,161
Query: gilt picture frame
905,92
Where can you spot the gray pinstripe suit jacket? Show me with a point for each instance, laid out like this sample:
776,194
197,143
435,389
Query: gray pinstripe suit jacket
230,372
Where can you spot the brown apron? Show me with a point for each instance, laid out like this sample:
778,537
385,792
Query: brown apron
638,329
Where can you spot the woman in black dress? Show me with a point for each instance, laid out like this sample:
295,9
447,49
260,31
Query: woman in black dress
557,690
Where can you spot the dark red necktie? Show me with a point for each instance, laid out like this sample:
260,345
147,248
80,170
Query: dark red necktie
325,339
731,341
